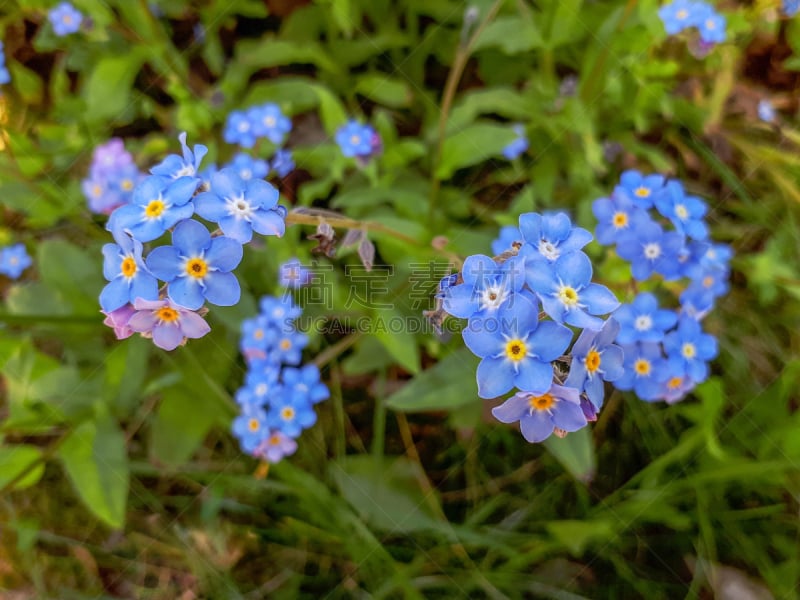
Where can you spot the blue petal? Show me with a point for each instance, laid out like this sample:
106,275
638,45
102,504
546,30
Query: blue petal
598,299
191,238
181,190
268,222
227,184
495,377
568,416
165,262
460,301
210,206
186,292
115,295
483,336
144,286
611,363
530,227
553,307
236,228
540,275
519,316
576,240
148,189
574,268
112,261
512,409
534,376
555,228
536,427
579,318
222,289
609,332
225,254
262,194
477,269
549,341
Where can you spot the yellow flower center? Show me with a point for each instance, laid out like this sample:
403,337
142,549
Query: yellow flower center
126,185
682,14
592,361
567,295
274,440
642,367
675,383
287,413
285,344
708,281
620,219
516,350
354,139
154,209
97,190
167,314
542,402
259,334
710,24
253,425
197,268
128,267
642,192
688,350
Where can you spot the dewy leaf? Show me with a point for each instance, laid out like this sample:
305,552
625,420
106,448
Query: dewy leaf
576,453
15,460
96,461
473,145
108,90
442,387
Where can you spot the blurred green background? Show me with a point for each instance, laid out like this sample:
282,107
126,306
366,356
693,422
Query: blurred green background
118,473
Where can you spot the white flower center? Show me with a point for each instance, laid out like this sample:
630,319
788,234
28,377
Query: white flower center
269,121
246,174
186,170
681,212
643,323
549,250
652,250
261,389
493,296
244,126
239,208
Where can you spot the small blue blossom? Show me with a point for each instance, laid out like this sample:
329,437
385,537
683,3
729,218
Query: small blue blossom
128,277
248,167
281,312
486,287
595,359
288,348
643,321
261,382
516,349
268,121
355,139
790,7
157,204
693,348
540,414
509,235
518,145
282,162
5,76
258,335
677,382
14,260
644,370
290,413
250,427
710,24
685,212
649,250
638,188
766,111
547,237
197,267
293,274
239,130
304,382
568,294
679,15
615,216
188,165
65,19
241,207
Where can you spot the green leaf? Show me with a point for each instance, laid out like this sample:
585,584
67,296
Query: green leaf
384,89
15,460
108,89
26,82
400,342
576,453
442,387
496,100
96,461
473,145
577,535
181,424
386,493
70,270
513,35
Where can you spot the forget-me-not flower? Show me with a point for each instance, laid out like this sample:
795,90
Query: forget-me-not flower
540,414
595,359
486,287
128,277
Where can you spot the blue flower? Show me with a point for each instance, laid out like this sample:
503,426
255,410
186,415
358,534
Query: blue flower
241,207
251,427
547,237
248,167
711,25
685,212
486,288
643,321
5,76
14,260
239,130
595,359
288,348
293,274
505,240
766,111
304,382
568,294
678,15
639,188
791,7
518,145
275,447
290,413
280,311
261,383
677,382
355,139
188,165
124,269
258,334
689,345
268,121
649,250
615,216
282,162
645,370
539,415
197,267
516,349
65,19
157,204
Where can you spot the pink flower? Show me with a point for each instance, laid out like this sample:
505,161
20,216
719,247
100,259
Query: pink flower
275,446
167,323
118,320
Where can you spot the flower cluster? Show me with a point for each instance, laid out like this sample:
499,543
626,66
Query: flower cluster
684,14
264,121
520,307
14,260
112,177
278,397
660,229
359,141
198,266
65,19
5,76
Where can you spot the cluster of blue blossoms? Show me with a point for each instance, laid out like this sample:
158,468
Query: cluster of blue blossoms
198,266
246,127
278,397
541,271
666,351
112,177
685,14
14,260
520,303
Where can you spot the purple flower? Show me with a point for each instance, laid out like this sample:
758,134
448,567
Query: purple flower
167,323
539,415
198,267
241,207
275,447
118,321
